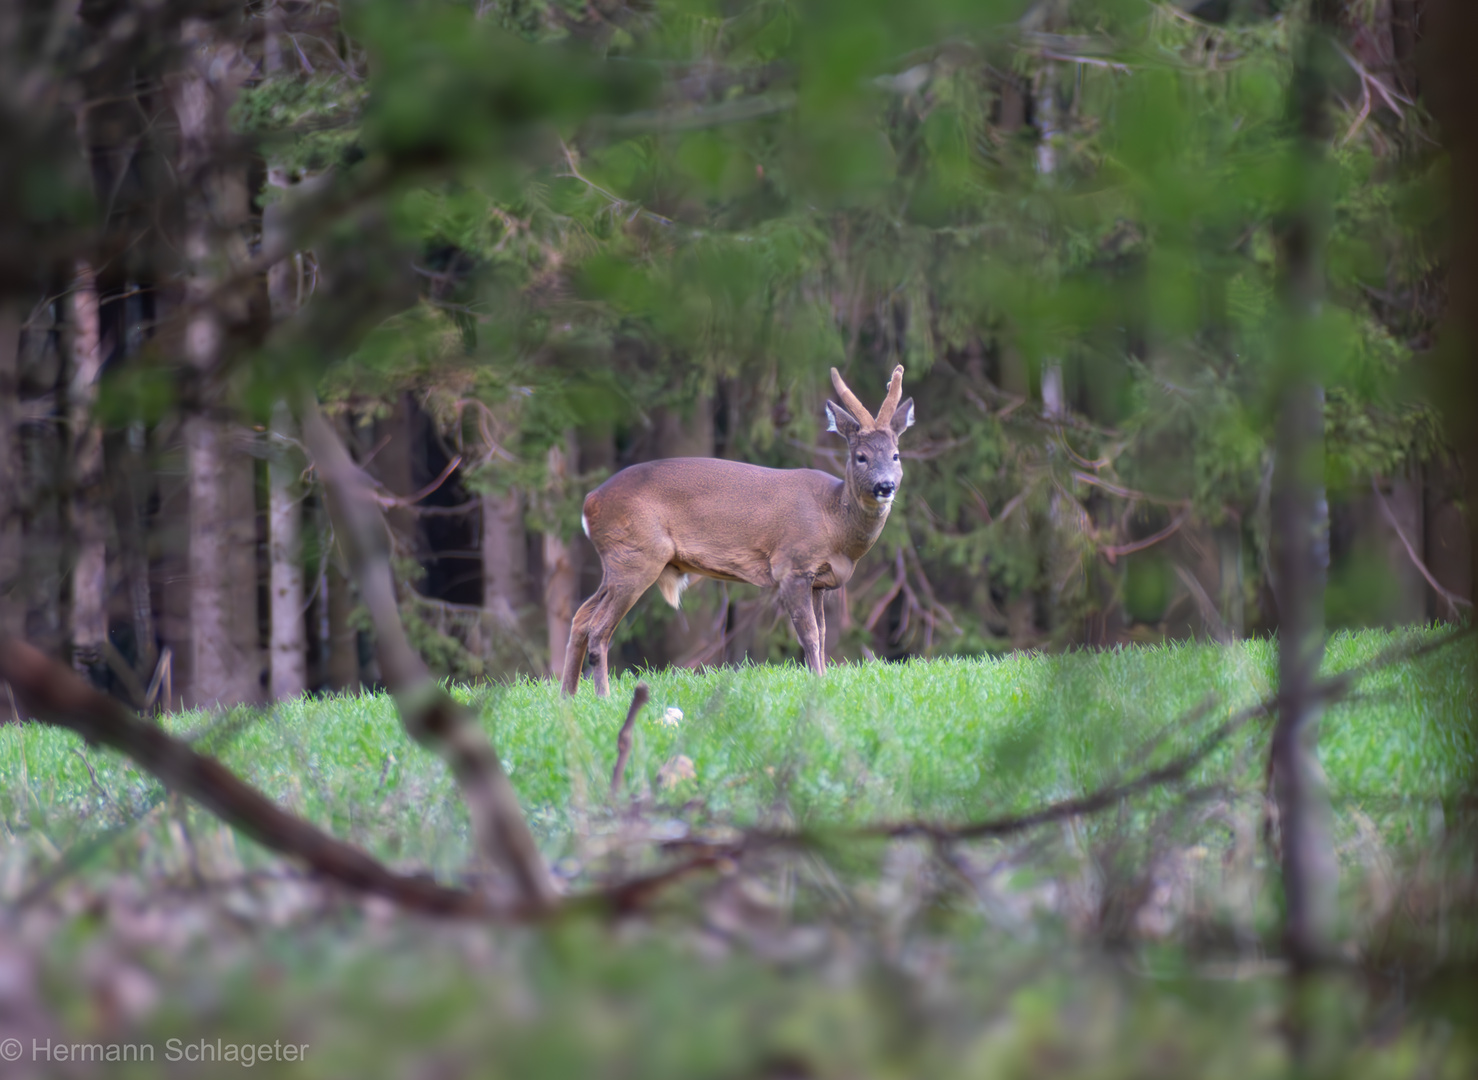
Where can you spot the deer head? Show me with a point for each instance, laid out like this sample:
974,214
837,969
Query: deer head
873,469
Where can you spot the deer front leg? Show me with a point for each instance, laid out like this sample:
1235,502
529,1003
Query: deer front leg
796,594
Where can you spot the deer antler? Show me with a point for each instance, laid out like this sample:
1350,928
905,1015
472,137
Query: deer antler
850,401
890,403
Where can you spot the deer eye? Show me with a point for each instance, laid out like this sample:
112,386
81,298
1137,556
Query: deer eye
862,458
895,457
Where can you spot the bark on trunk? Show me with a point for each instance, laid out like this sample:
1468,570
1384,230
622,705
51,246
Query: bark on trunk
128,479
89,607
504,559
560,574
289,655
287,640
1229,557
689,434
1454,98
1300,554
12,592
343,641
222,565
226,666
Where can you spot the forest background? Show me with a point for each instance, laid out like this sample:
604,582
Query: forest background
1183,291
515,247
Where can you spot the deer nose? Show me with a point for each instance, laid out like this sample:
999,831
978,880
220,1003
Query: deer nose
884,489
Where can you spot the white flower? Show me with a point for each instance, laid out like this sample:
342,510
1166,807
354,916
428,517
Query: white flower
672,717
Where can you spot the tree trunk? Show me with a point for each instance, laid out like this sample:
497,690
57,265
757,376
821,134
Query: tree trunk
504,559
89,607
689,434
1301,537
287,641
12,592
343,641
289,655
222,564
1229,557
1453,93
129,482
560,574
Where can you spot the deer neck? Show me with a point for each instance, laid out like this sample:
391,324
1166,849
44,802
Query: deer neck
862,520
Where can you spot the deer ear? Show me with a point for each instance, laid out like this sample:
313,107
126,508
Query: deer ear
841,421
902,418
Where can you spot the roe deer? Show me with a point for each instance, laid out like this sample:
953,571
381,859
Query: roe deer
801,530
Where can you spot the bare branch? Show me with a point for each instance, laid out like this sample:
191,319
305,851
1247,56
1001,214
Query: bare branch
1114,551
623,740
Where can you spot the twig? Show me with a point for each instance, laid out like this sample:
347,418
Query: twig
1452,598
1389,96
409,501
1209,615
623,740
1361,117
1114,551
900,575
93,776
616,202
124,672
1113,65
1123,492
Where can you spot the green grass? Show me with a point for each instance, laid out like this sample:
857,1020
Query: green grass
948,740
859,960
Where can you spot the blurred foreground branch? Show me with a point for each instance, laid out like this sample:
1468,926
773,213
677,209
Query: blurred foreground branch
1322,692
430,715
55,695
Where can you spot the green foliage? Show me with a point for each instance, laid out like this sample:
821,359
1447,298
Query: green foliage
621,217
305,124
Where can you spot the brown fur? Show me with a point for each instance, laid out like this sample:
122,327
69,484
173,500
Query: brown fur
799,530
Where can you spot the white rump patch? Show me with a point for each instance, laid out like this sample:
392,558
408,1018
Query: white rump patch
585,524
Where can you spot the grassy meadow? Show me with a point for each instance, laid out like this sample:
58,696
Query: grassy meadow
1136,942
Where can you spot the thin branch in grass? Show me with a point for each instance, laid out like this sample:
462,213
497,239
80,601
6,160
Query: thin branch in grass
430,715
96,785
623,740
56,695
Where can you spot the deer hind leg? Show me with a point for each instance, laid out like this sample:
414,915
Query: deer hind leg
798,597
621,586
579,639
818,605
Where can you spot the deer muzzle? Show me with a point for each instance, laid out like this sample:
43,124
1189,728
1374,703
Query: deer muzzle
884,489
